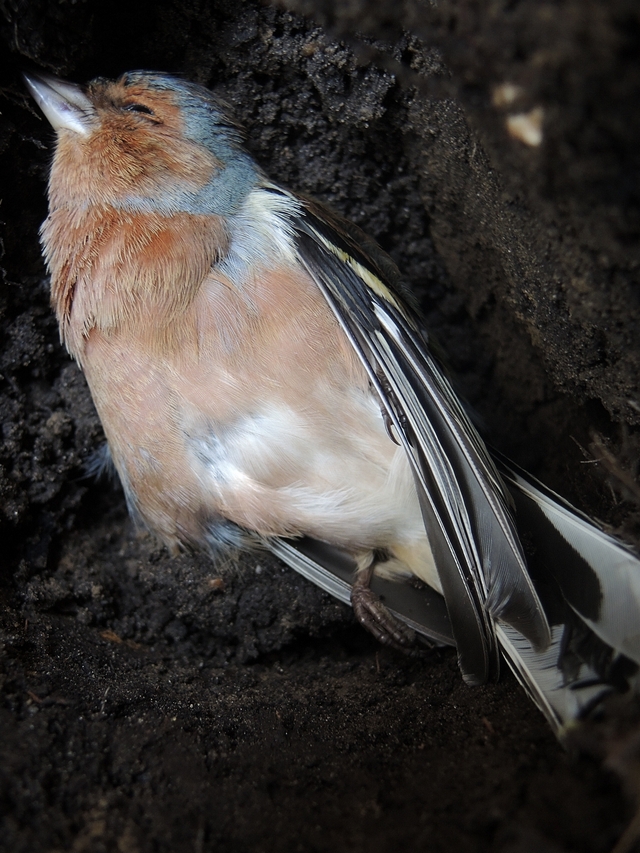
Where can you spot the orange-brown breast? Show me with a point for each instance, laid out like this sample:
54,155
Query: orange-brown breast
112,270
269,340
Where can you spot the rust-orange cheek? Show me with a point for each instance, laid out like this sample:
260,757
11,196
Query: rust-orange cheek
120,160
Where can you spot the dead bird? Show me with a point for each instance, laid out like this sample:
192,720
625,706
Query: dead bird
262,378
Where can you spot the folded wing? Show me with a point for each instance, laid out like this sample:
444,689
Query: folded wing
566,618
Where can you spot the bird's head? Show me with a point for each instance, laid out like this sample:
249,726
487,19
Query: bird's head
147,173
146,142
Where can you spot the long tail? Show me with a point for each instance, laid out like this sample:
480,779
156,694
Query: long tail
588,583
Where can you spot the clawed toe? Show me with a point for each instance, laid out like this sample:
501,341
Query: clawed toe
376,618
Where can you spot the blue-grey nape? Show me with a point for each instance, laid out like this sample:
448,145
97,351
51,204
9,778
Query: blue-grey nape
206,123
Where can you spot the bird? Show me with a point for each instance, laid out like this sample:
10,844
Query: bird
265,380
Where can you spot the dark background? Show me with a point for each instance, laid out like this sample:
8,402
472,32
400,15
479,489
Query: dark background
150,703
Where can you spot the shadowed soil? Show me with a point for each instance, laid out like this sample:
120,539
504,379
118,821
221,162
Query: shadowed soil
157,703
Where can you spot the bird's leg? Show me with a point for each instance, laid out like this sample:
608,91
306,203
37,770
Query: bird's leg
372,613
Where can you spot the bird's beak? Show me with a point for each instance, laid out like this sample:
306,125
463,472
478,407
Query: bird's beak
64,104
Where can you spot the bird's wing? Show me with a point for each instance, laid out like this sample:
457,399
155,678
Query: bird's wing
333,570
464,502
567,620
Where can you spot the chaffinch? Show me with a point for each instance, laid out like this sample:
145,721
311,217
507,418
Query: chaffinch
262,378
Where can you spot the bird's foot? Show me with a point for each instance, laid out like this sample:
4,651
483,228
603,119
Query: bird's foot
376,618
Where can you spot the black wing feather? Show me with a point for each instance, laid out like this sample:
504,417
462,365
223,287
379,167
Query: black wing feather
568,623
478,554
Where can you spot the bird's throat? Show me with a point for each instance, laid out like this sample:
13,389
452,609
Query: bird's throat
111,270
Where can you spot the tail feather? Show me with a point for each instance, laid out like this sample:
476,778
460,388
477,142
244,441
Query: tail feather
561,700
599,577
588,584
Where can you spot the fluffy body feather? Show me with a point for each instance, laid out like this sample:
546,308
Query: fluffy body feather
260,378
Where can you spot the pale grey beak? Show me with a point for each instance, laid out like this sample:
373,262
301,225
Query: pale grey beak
64,104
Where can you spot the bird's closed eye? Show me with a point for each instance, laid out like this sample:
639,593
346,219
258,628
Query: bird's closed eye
139,108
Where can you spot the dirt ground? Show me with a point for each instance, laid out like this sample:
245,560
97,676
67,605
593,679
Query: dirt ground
150,703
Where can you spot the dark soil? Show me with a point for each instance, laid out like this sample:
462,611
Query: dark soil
151,703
